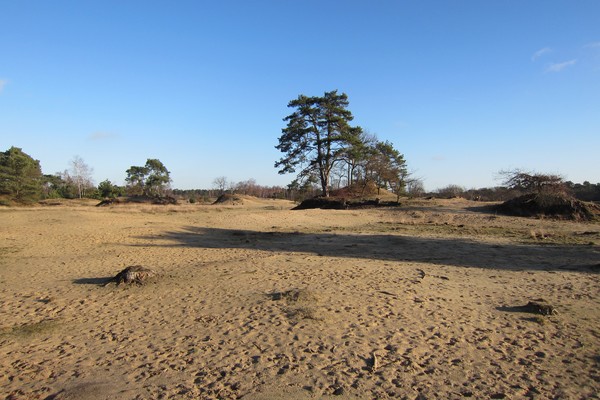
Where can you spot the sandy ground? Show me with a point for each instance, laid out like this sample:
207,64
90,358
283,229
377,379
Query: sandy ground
256,301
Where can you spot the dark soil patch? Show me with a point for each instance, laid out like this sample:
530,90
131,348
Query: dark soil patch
325,203
555,205
333,203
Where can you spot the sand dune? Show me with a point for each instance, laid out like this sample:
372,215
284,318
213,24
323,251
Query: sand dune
257,301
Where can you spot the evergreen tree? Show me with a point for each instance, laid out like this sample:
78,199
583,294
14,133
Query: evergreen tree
20,175
389,167
149,180
316,136
135,180
158,178
107,190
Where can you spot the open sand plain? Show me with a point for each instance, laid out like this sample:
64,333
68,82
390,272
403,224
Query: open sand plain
257,301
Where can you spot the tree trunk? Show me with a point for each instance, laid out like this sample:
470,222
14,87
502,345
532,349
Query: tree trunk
325,184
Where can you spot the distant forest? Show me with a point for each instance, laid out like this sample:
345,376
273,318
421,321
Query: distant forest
582,191
22,181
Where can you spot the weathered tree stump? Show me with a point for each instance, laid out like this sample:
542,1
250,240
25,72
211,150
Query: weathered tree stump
539,307
134,274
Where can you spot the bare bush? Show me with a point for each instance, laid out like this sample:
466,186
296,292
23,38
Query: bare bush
415,188
451,191
531,182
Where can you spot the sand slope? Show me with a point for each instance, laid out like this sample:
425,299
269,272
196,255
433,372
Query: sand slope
261,302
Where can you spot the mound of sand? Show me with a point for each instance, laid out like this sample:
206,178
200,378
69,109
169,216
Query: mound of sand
324,203
242,199
556,205
230,199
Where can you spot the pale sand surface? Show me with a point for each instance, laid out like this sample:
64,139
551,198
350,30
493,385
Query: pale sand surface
257,301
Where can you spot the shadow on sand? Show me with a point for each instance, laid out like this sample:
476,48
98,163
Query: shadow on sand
93,281
444,251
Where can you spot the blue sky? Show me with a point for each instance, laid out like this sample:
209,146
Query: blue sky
462,88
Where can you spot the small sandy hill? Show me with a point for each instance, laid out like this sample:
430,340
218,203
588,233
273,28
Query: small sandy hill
229,199
558,205
355,197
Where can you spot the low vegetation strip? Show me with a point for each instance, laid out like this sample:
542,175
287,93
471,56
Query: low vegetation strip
164,200
332,203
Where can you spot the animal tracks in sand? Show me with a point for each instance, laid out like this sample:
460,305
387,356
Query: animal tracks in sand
265,303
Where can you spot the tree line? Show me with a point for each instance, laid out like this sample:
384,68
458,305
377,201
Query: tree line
328,155
519,182
22,181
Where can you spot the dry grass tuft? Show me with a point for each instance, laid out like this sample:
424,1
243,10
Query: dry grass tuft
305,313
300,304
295,296
30,330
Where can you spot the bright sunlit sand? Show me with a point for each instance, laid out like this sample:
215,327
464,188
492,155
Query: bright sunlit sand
258,301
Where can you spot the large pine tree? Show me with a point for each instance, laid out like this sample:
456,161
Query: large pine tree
317,134
150,180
